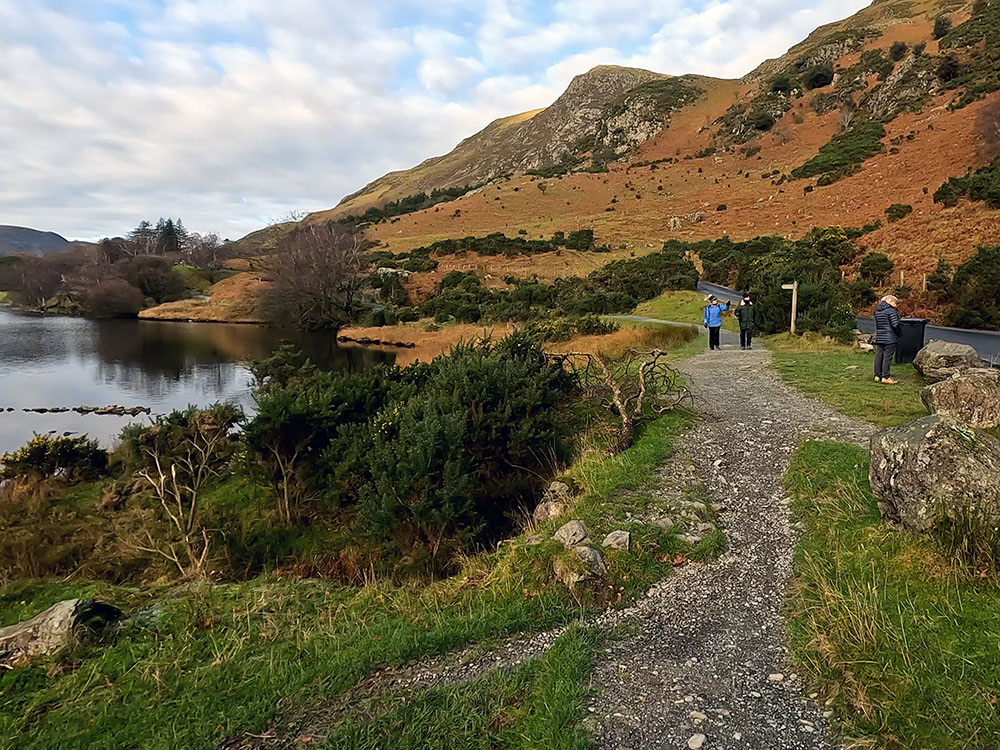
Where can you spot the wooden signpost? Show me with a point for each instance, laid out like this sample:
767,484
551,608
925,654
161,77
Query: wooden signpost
794,288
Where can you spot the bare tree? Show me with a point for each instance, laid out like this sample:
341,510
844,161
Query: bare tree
847,114
38,279
636,388
317,277
289,217
205,251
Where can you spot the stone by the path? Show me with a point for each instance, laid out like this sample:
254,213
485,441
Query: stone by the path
697,742
548,510
972,397
572,534
570,572
617,540
939,360
53,630
935,467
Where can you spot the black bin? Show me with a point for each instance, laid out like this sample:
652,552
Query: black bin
911,339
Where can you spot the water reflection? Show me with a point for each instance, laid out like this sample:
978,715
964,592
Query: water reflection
67,362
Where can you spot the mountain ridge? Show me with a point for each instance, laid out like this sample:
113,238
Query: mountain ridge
16,240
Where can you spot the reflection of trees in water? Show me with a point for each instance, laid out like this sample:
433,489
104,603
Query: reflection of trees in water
156,359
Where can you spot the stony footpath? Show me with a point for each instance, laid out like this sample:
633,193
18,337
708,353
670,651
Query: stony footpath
703,663
700,661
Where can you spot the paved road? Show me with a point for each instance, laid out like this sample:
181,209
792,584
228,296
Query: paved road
987,343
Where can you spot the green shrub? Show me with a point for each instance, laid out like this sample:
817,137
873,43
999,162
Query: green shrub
861,293
762,121
981,185
939,281
113,298
408,205
898,51
451,467
976,290
304,441
898,212
71,459
581,239
845,152
818,77
781,84
875,268
942,26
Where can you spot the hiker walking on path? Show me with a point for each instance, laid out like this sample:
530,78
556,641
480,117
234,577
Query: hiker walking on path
713,321
887,333
746,313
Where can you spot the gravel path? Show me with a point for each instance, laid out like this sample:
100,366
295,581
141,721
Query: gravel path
705,664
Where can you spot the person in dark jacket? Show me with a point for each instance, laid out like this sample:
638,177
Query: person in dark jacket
746,313
887,332
713,321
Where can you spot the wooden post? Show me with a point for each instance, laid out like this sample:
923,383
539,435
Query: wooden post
925,282
794,287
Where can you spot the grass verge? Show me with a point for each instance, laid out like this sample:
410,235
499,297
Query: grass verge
844,378
902,640
537,705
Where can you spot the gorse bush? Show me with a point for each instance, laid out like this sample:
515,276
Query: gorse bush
875,268
44,457
898,212
408,205
976,291
451,466
981,185
845,153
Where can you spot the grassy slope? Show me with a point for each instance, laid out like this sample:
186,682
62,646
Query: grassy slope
905,643
682,307
844,378
221,657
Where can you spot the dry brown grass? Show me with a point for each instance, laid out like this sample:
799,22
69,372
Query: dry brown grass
232,300
614,345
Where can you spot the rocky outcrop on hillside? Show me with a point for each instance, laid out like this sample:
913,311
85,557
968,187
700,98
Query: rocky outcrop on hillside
611,110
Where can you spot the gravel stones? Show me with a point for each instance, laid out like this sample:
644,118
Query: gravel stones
714,632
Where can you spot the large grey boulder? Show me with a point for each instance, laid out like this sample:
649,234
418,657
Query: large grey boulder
53,630
972,397
935,468
939,360
572,534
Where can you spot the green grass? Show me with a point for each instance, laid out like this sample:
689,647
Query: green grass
4,297
902,640
538,705
845,379
682,307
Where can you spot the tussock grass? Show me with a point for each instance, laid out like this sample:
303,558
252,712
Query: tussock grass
901,638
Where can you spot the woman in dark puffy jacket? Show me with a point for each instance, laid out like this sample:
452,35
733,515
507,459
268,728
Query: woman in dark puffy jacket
887,333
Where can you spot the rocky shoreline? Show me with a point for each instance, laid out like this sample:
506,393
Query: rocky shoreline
113,411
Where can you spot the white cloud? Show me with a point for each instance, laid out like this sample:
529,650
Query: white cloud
226,112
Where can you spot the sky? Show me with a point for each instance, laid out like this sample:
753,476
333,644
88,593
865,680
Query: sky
233,113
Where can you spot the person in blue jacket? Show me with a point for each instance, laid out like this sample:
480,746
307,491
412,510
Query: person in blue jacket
713,321
887,332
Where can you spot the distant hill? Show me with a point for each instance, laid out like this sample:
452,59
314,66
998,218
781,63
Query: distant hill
14,240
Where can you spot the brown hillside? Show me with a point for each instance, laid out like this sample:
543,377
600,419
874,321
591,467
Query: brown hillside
669,184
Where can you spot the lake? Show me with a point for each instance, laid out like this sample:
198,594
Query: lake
60,362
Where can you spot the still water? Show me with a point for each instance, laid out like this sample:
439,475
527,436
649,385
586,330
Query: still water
52,362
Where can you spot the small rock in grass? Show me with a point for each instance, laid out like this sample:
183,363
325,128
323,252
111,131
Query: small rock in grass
572,534
617,540
776,677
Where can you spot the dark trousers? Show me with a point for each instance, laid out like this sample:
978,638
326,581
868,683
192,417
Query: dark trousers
746,337
883,359
713,338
